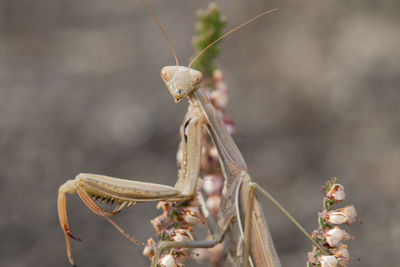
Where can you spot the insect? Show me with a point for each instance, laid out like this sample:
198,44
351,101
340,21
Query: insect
240,214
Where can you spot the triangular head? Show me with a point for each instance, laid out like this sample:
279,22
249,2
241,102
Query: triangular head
181,80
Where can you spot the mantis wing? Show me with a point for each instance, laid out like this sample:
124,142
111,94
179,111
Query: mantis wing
222,136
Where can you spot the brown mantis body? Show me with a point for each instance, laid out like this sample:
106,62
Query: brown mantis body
125,192
240,213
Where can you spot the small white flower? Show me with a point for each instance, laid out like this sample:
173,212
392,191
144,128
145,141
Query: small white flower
343,256
336,193
328,261
335,236
347,215
167,261
336,217
181,235
351,213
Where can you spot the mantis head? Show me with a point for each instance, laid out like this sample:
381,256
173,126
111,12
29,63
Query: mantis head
181,80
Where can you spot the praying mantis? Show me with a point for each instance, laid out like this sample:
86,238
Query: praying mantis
240,214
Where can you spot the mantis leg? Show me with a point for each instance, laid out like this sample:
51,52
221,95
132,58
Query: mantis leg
123,192
257,238
234,169
126,192
218,237
254,212
228,150
106,215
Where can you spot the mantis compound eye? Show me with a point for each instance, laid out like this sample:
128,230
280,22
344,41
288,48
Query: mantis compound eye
197,77
166,74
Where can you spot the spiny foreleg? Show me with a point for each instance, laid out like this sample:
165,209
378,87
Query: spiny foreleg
124,193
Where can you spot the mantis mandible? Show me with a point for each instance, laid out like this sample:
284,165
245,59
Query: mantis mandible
253,241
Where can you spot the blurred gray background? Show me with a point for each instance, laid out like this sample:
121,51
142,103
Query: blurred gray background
314,91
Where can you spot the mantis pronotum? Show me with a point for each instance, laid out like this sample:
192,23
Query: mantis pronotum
253,243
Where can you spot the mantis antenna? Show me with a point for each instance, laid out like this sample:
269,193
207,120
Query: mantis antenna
228,33
205,49
162,30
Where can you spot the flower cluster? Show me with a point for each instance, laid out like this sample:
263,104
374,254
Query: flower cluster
175,224
329,235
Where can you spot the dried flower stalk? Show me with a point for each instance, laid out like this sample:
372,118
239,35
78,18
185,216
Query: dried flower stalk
329,235
178,218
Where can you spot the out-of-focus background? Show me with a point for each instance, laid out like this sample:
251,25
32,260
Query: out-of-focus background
314,90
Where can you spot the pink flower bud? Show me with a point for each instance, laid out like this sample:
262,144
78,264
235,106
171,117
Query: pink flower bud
213,203
213,153
217,75
157,223
335,236
336,193
328,261
167,261
219,97
149,249
191,215
213,184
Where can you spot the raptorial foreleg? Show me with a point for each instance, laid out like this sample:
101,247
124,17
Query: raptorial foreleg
110,190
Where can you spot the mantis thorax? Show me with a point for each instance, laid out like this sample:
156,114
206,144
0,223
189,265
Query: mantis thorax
181,80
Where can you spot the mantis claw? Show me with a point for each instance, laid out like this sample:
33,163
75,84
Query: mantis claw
72,235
